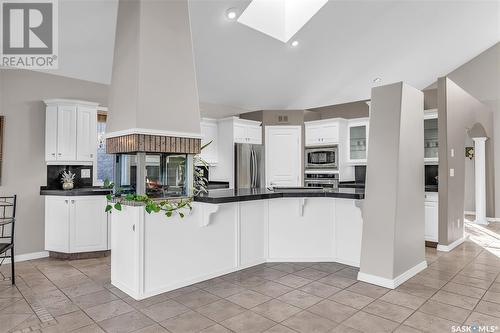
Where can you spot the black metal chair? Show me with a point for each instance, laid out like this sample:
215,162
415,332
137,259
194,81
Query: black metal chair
7,222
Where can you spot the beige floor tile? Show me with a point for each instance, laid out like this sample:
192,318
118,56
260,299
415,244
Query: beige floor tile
428,323
300,299
349,298
368,289
248,322
215,329
471,281
328,267
482,319
248,299
307,322
108,310
270,274
332,310
311,273
164,310
403,299
406,329
337,281
10,321
417,289
479,274
445,311
369,323
197,298
344,329
288,268
153,329
464,290
220,310
189,322
61,308
438,275
127,322
276,310
272,289
280,329
82,289
492,296
224,289
454,299
293,281
489,308
90,300
69,322
348,272
94,328
320,289
17,306
389,311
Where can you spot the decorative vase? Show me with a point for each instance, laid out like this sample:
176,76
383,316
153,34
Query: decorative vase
67,185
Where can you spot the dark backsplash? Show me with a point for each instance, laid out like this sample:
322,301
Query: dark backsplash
54,175
360,174
431,174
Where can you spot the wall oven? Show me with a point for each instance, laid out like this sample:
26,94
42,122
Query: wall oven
321,178
321,157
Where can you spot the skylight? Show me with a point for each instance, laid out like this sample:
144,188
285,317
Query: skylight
280,19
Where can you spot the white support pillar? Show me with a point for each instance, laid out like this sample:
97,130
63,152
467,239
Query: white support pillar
480,179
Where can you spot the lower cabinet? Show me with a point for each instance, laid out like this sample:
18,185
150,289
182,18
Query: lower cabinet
431,216
76,224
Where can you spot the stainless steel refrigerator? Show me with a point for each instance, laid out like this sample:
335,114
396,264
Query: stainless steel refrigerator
249,166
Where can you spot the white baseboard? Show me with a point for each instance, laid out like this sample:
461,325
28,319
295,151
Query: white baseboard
392,283
489,219
28,256
448,248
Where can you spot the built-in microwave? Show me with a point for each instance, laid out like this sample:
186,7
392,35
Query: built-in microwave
321,157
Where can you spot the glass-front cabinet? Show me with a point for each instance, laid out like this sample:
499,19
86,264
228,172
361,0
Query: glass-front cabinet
431,145
160,175
357,140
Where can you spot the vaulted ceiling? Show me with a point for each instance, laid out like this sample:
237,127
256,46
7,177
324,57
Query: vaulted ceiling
342,49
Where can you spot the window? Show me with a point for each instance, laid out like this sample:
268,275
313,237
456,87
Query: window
104,161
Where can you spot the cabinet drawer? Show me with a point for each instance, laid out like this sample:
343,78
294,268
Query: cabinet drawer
431,196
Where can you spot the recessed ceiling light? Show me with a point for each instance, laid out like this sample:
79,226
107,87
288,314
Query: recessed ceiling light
377,80
231,14
295,43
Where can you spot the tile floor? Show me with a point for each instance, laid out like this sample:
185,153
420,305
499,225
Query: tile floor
460,287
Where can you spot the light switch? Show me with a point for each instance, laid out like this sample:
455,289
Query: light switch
85,173
452,172
452,152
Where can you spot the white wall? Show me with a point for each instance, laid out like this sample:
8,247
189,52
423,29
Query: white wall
23,166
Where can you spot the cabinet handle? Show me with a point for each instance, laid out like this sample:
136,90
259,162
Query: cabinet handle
53,154
66,202
72,201
91,155
59,154
133,227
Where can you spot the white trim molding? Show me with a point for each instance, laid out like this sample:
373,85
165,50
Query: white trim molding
28,256
449,247
148,131
392,283
489,219
69,102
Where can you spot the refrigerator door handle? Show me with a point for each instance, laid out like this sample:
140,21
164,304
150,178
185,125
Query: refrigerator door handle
254,169
251,168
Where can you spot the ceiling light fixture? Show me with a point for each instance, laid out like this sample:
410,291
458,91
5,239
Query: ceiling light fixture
295,43
377,80
231,14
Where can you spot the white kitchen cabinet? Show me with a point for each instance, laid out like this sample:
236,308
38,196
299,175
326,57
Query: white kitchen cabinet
283,156
348,231
75,224
253,232
431,216
86,133
322,132
70,131
247,131
357,140
209,134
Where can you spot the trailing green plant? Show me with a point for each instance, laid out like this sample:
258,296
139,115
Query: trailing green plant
167,206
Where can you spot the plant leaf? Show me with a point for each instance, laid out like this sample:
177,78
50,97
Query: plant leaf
118,206
108,208
109,197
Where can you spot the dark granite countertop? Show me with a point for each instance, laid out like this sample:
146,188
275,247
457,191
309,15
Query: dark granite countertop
245,194
44,190
428,188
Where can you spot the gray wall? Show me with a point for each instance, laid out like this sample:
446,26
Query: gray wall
393,211
357,109
458,111
154,82
24,169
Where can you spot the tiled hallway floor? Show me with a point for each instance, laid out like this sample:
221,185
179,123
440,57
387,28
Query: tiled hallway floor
460,287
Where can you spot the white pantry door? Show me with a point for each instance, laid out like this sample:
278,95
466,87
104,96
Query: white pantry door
283,151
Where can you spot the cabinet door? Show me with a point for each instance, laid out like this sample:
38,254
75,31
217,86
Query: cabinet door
254,134
88,224
66,133
313,135
240,135
431,221
357,142
209,134
86,133
283,155
329,133
431,145
253,235
57,224
348,231
51,133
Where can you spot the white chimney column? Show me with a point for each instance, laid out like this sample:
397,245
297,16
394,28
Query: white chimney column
480,179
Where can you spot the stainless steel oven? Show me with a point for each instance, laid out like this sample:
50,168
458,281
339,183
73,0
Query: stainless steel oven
321,178
321,157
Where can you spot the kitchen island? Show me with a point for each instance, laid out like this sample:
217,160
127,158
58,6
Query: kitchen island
229,230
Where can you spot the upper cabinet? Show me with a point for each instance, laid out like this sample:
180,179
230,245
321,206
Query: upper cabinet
70,131
357,139
247,131
209,135
431,145
322,132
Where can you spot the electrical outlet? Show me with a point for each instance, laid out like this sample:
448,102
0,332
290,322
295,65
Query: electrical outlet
85,173
452,172
452,152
